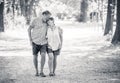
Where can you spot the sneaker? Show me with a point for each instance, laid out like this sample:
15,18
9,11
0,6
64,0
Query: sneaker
51,74
36,74
42,75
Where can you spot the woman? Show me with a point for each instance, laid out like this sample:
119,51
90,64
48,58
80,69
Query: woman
54,36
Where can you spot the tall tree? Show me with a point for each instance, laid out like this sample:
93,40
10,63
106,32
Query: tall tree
13,7
110,17
27,8
83,9
22,7
1,16
116,37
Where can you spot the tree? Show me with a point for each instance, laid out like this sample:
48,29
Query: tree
2,16
110,17
116,37
25,8
83,9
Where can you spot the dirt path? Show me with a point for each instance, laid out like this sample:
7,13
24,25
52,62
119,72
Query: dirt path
84,59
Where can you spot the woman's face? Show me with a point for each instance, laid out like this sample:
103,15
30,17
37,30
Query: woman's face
50,22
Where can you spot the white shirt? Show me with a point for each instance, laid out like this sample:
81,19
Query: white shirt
54,40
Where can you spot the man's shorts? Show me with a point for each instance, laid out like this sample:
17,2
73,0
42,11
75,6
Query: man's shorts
39,48
55,53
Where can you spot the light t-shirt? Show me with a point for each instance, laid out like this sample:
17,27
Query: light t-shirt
39,31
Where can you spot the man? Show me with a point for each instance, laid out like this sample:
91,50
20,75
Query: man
37,34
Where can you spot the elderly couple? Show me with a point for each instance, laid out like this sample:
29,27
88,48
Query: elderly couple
44,37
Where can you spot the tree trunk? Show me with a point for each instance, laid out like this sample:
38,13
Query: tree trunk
116,37
83,14
30,9
113,14
22,7
2,16
109,21
13,7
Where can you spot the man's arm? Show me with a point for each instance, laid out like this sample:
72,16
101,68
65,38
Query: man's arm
30,29
29,34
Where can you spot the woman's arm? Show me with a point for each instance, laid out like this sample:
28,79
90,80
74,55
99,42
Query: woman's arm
61,35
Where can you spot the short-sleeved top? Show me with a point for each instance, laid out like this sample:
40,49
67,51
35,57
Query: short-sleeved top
54,40
39,31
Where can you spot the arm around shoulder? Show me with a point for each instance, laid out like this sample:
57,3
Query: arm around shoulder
60,30
61,35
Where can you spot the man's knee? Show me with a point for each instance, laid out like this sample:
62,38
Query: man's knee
35,55
43,55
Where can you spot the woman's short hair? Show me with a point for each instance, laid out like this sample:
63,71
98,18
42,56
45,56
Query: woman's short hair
50,19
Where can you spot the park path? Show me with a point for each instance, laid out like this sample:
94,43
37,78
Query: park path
85,58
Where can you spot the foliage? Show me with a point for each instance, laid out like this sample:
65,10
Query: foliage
1,1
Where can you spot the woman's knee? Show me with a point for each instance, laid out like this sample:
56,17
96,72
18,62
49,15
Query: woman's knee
50,56
55,57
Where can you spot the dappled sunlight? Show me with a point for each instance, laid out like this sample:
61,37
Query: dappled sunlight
85,51
87,54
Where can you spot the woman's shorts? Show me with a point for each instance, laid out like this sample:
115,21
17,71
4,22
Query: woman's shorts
55,53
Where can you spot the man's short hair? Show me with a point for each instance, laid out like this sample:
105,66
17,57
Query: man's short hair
46,13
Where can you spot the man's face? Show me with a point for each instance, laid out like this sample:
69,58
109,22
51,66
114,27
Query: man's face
46,17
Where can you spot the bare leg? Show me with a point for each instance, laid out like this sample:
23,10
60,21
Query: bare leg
50,62
42,61
54,63
35,61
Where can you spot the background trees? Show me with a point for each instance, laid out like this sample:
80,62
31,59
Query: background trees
116,37
83,8
1,15
63,9
110,17
25,8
